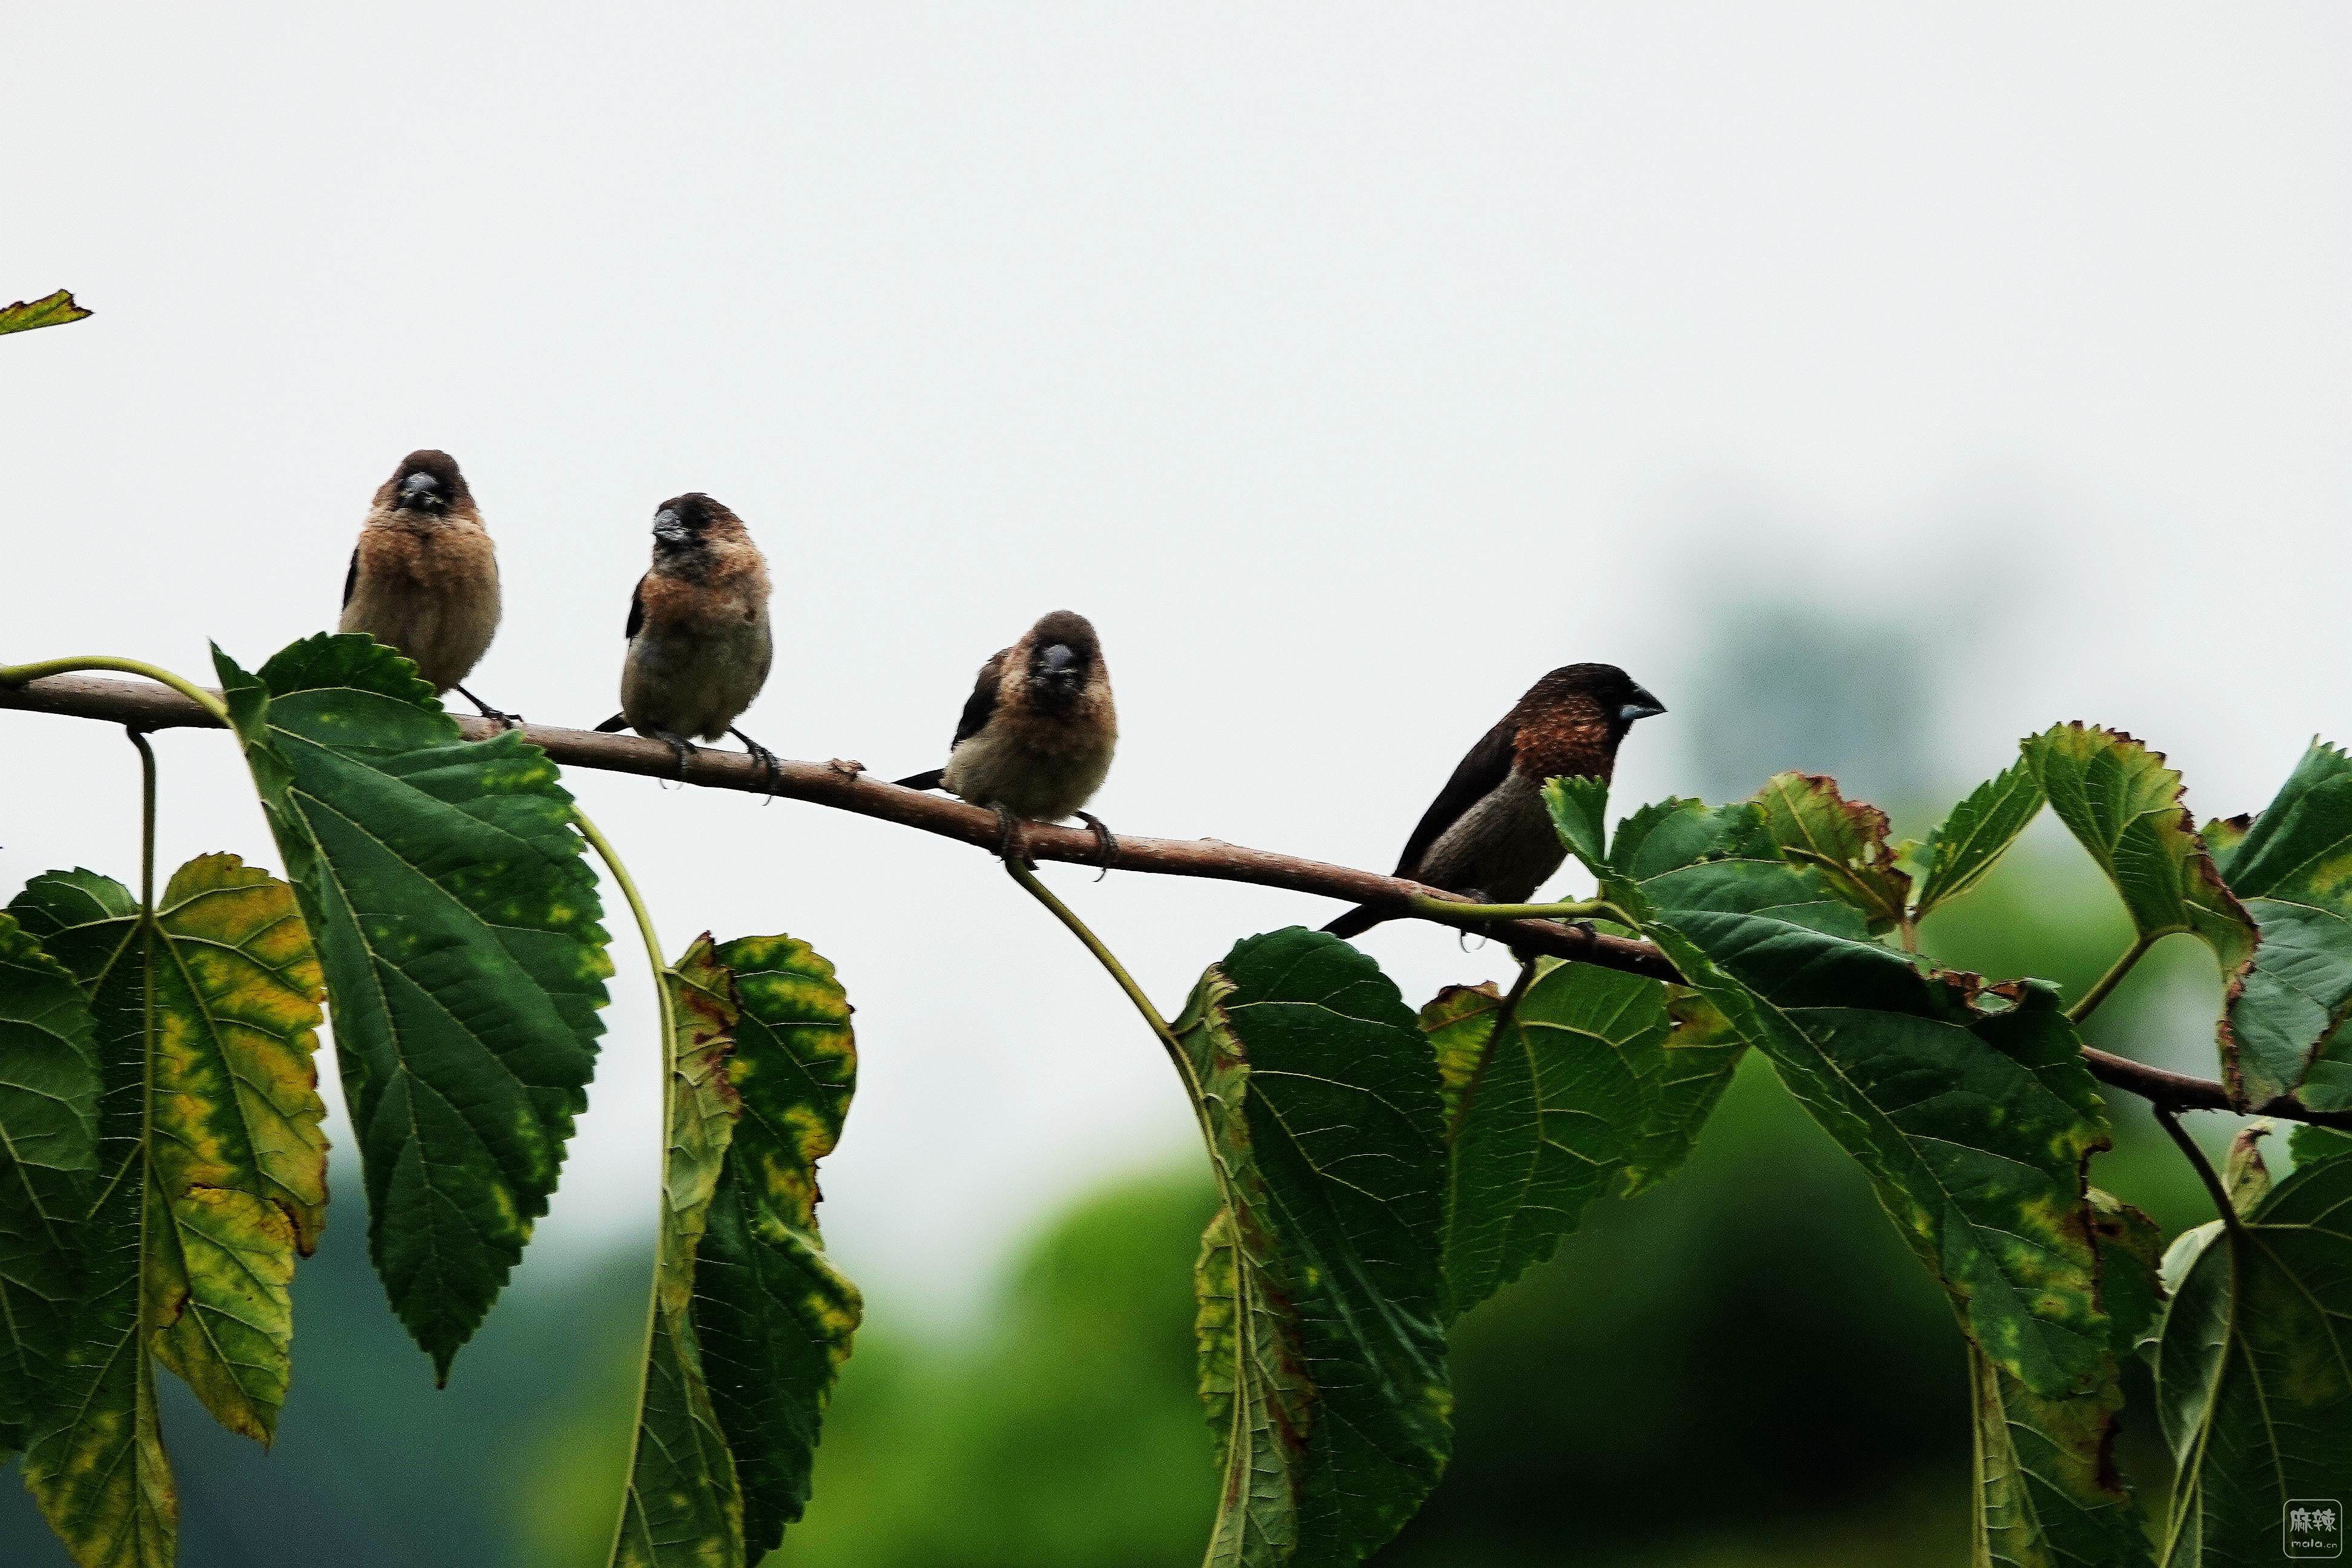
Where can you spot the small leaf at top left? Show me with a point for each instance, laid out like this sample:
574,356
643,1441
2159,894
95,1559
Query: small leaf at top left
53,311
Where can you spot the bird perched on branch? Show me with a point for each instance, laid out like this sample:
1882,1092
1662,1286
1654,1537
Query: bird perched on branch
424,578
1487,835
699,644
1038,733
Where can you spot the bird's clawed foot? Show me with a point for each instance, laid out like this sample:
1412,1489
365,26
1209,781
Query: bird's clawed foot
771,773
1104,841
680,747
1008,837
502,719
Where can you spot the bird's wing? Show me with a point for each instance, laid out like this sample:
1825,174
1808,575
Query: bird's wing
636,609
981,703
1486,766
352,577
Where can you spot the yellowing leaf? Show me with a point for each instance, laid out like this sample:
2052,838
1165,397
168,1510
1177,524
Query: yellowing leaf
54,310
751,1320
775,1317
1812,823
211,1173
683,1509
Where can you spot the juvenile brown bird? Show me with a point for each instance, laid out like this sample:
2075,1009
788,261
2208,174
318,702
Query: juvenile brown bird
1488,834
699,644
424,578
1038,733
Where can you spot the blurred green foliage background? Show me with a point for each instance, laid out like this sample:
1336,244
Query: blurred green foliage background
1742,1369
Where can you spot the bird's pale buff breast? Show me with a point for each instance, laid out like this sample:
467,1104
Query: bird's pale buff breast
1035,767
430,591
701,656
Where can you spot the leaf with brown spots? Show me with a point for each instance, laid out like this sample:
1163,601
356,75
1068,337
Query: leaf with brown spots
751,1320
2123,804
1322,1303
2292,866
1969,1107
775,1315
1816,826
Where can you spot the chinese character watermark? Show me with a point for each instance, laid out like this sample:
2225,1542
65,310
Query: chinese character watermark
2312,1529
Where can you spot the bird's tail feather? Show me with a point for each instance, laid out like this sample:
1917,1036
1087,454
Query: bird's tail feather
1356,922
931,780
616,722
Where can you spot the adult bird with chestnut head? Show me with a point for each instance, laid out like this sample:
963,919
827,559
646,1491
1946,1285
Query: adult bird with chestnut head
1488,834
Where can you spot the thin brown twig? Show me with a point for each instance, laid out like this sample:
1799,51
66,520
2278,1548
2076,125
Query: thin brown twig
845,787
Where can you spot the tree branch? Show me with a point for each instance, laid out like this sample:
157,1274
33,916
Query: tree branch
845,787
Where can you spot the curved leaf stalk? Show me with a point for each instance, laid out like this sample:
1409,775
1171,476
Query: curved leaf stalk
1194,1088
17,673
1321,1319
664,976
1465,1095
1247,1352
2101,989
2207,1176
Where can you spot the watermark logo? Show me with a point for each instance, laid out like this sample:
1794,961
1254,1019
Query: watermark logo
2312,1529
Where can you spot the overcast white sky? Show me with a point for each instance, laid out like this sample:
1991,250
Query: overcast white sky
1349,366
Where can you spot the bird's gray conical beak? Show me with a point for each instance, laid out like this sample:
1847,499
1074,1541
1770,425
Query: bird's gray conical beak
1641,705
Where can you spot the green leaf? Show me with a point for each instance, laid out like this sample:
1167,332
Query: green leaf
1976,834
55,310
1577,806
1816,826
2310,1144
2131,1247
683,1509
1322,1303
2047,1492
1968,1107
49,1154
464,959
1459,1023
1691,1072
211,1175
2124,804
1546,1103
2292,866
2253,1373
775,1315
